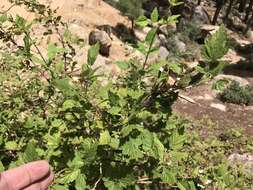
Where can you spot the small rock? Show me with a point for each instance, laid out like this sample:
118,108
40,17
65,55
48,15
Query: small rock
240,80
249,35
246,160
207,30
200,16
180,45
142,33
163,40
163,53
220,107
167,28
103,39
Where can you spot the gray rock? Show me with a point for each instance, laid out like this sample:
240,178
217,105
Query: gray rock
245,160
163,40
163,53
167,28
240,80
220,107
181,46
200,16
103,39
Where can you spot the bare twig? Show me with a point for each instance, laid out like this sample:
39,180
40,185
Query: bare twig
5,11
188,99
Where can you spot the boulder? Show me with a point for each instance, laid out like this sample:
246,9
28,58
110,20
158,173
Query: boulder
240,80
200,16
101,37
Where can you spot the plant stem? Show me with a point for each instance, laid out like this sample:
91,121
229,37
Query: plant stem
149,49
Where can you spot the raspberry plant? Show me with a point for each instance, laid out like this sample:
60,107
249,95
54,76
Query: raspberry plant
121,135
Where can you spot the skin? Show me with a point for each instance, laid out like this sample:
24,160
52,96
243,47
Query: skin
32,176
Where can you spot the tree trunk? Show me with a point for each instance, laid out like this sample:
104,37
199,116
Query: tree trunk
231,2
216,15
242,5
249,24
249,9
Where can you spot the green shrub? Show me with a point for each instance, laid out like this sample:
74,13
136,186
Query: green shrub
237,94
116,136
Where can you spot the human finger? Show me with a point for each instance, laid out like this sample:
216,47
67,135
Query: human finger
42,184
25,175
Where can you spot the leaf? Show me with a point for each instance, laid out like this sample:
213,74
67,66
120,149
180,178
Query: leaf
11,145
131,149
1,166
111,185
175,2
150,36
176,68
142,21
168,176
27,46
172,19
122,64
158,148
53,50
69,104
59,187
80,183
114,110
30,153
176,140
141,48
128,129
93,53
154,15
180,186
216,46
64,86
105,138
3,18
70,177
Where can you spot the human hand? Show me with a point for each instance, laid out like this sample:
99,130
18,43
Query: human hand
32,176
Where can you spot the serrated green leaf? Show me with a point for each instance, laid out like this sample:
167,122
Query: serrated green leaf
168,177
132,150
176,68
1,166
122,64
105,138
142,21
11,145
180,186
80,183
93,53
69,104
154,15
216,46
53,50
177,140
30,153
64,86
150,36
70,177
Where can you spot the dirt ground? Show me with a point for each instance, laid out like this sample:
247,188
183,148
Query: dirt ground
234,117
